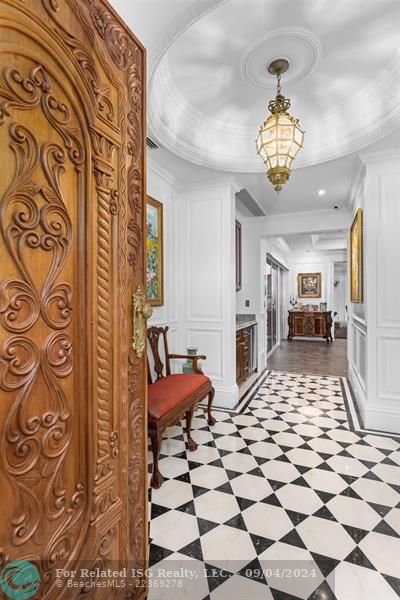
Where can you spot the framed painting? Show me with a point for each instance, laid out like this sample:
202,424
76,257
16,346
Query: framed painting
154,252
356,259
309,285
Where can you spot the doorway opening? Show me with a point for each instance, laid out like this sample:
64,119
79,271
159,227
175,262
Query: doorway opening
305,303
275,290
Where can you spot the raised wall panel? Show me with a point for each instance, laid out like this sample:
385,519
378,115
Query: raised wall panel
388,252
388,371
210,343
357,353
205,247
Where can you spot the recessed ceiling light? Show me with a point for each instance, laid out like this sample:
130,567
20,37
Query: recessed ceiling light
321,192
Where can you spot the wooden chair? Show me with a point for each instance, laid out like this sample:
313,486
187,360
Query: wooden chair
172,396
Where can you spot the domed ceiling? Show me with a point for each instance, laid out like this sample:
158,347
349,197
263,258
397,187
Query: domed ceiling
209,87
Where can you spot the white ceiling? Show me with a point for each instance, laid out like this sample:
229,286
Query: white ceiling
208,94
334,242
300,194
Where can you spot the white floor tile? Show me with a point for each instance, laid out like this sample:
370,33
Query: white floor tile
376,491
351,582
227,548
216,506
251,486
281,559
325,537
280,471
300,499
174,529
239,588
208,476
347,466
325,446
267,521
307,458
356,513
388,473
239,462
172,493
326,481
383,551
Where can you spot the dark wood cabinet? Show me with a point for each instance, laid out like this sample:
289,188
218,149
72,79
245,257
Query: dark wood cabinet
243,349
310,324
238,255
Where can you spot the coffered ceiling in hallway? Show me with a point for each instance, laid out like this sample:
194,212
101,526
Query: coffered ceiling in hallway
209,87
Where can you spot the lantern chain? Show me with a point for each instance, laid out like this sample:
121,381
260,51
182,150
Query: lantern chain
278,90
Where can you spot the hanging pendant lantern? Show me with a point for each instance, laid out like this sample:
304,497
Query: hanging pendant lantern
280,136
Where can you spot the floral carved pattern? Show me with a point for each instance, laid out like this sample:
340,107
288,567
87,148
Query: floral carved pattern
127,56
37,229
99,93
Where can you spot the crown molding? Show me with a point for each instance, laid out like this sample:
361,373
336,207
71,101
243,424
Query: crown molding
230,181
369,158
358,178
304,215
157,169
186,19
364,160
229,147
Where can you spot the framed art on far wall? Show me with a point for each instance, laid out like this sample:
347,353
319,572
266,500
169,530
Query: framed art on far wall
356,259
309,285
154,252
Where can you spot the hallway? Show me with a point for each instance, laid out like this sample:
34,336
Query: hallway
319,358
282,501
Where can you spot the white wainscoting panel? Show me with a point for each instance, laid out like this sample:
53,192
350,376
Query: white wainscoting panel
388,372
211,343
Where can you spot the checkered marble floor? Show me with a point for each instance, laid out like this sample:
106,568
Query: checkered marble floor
280,501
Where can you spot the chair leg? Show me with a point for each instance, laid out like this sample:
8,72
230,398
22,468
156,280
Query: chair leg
211,420
156,478
191,443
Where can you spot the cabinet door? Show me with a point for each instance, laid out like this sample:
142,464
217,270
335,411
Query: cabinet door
239,368
72,392
320,326
246,353
298,325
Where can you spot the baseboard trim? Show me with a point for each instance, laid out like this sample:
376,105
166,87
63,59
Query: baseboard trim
368,419
226,396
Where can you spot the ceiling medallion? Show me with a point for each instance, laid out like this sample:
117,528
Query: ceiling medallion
280,136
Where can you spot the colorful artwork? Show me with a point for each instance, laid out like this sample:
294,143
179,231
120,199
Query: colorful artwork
309,285
154,252
356,259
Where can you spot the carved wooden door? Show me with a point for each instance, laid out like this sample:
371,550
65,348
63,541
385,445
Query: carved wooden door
72,390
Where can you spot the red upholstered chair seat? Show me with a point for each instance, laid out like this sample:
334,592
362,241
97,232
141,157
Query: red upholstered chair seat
168,392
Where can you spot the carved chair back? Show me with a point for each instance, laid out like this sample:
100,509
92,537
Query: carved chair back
153,336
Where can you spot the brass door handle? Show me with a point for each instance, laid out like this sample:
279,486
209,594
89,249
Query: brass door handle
141,311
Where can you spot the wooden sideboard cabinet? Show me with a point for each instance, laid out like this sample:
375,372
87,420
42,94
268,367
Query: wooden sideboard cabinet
310,324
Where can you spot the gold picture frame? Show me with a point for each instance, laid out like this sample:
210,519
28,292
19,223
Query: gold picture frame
356,258
309,285
154,252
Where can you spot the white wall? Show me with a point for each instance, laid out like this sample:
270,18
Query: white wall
164,189
314,264
207,224
340,292
374,340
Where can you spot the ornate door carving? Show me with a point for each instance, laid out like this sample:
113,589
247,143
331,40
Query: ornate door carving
72,392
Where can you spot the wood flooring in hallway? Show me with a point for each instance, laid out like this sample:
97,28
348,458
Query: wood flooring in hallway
318,358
